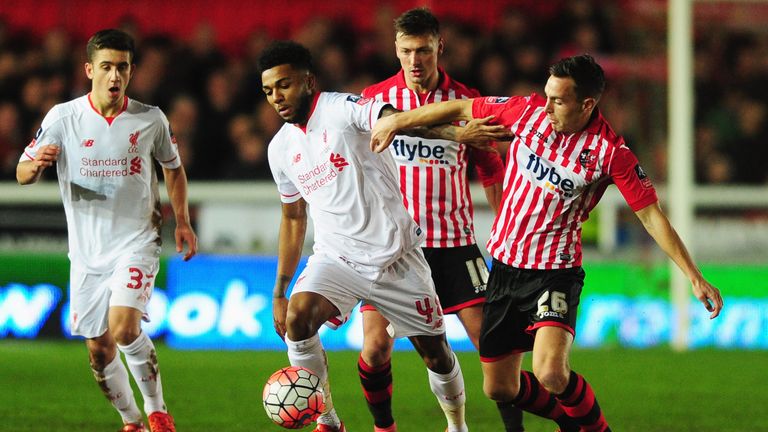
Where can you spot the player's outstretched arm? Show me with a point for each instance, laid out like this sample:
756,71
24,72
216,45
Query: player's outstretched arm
432,114
176,184
28,172
476,133
658,226
293,228
481,135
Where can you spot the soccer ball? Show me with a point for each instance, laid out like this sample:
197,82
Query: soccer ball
293,397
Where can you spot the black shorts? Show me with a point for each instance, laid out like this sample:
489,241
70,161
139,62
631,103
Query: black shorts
519,301
460,276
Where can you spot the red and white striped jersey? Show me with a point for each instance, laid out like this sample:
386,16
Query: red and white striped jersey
433,172
552,182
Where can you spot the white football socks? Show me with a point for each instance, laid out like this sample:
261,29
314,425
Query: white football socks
309,353
141,358
449,390
114,382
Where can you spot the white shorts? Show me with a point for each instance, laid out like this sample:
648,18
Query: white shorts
92,294
403,292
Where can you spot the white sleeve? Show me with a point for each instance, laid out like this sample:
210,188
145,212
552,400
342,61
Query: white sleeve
166,152
363,111
50,132
288,191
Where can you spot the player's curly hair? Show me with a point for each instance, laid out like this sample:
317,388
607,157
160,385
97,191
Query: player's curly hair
585,72
417,22
286,52
114,39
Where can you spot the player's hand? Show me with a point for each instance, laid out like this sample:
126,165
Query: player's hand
481,135
279,312
383,133
46,156
709,296
185,234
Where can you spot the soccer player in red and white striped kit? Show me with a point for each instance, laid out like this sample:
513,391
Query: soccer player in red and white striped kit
563,157
434,184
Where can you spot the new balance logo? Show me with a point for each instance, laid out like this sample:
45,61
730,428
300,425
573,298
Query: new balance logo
87,143
338,161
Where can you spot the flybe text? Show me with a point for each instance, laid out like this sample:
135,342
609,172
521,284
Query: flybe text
553,180
420,150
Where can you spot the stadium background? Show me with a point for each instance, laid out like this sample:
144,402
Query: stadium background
197,62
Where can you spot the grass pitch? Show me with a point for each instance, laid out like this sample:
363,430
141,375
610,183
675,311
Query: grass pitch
48,386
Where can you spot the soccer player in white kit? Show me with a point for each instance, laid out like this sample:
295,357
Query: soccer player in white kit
104,146
563,157
366,244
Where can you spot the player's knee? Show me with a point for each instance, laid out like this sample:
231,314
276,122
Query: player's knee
297,329
439,361
125,335
300,323
376,352
435,351
100,356
437,364
553,379
305,316
498,391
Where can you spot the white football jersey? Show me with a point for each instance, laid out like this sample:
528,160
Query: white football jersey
353,193
107,177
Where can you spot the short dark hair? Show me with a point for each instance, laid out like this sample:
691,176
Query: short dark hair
418,21
110,39
585,72
286,52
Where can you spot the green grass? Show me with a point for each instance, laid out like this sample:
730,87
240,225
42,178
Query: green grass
48,386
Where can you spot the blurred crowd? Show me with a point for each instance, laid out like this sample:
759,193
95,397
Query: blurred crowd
223,124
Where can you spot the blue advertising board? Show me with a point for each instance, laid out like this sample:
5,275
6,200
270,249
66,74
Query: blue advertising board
224,302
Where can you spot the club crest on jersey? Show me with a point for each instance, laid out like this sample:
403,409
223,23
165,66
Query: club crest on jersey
134,140
358,99
339,161
587,159
644,180
496,99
